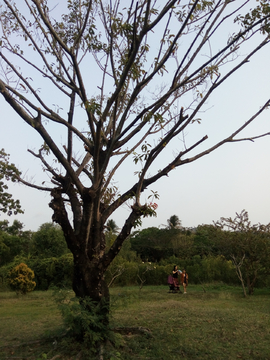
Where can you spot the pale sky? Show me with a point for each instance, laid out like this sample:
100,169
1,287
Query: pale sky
234,177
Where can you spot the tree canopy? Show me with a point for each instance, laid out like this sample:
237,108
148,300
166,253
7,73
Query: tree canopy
13,241
49,241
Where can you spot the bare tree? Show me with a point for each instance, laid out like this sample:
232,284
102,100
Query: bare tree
110,78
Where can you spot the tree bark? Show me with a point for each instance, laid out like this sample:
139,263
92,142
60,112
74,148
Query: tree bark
88,280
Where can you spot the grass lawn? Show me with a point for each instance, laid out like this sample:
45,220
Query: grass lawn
218,323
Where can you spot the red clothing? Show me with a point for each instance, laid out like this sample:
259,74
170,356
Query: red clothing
175,283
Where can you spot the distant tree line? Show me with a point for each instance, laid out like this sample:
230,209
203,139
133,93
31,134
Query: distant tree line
211,252
231,250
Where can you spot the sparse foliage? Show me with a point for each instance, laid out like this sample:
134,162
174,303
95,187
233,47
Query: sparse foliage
8,172
248,246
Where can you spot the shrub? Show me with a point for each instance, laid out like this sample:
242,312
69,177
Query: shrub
85,320
53,272
20,279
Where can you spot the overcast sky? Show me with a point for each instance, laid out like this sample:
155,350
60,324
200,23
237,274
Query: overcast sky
234,177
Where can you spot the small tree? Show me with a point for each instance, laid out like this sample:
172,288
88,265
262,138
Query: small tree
174,222
248,246
20,279
112,227
111,232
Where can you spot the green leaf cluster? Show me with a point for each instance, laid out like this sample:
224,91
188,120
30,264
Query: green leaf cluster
257,13
85,319
8,172
14,241
49,241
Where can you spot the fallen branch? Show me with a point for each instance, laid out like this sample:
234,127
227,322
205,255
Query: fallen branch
133,330
79,355
56,357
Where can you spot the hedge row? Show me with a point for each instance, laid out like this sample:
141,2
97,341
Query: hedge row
50,272
57,272
209,269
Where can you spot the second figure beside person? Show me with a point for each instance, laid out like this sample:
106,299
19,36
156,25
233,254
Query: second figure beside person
184,280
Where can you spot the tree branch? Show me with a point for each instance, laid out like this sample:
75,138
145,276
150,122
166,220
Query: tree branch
36,124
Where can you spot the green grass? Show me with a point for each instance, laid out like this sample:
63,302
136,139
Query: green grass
218,323
32,319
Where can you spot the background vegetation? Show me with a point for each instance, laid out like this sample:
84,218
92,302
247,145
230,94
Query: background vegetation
209,253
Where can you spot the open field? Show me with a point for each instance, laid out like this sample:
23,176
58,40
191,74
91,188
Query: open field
218,323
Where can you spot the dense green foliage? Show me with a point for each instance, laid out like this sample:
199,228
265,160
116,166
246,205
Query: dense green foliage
44,251
209,253
86,315
153,244
49,241
14,241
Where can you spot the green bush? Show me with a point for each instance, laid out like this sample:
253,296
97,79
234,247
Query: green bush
4,271
86,320
20,279
53,272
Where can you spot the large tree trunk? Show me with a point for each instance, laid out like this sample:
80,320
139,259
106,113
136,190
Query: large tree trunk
93,294
87,248
89,280
86,241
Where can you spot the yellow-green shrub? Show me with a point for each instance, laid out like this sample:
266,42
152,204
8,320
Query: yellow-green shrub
20,279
